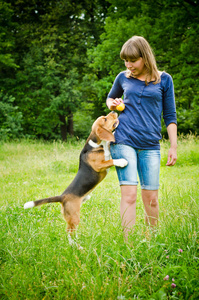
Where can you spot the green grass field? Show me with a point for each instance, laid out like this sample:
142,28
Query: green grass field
37,261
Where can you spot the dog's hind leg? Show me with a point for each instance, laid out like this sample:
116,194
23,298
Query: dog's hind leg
71,214
72,222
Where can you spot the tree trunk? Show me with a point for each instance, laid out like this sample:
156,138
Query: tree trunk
70,124
63,127
66,127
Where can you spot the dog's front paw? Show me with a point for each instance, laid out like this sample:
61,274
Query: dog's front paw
120,162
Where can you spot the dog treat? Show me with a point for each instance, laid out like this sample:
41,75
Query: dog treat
120,107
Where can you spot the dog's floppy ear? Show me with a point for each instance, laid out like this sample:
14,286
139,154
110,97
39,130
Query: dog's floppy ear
105,135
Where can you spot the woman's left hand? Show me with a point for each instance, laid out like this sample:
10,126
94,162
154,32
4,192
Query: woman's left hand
172,157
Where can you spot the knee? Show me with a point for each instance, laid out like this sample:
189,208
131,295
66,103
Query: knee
152,201
129,199
150,198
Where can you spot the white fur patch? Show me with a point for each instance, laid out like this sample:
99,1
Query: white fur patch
106,146
29,204
121,162
93,144
86,198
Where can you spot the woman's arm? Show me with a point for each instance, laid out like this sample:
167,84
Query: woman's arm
116,92
172,154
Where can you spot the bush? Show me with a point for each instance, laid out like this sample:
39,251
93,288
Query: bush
10,118
82,124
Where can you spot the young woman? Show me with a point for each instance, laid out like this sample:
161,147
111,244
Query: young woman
146,93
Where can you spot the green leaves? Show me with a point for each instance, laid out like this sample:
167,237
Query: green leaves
172,30
7,43
57,55
10,118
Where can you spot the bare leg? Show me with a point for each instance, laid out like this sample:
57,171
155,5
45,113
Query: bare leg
128,207
150,200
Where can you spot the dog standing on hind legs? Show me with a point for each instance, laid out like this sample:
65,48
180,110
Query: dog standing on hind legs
94,161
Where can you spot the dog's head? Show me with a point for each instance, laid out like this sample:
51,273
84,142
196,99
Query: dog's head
103,127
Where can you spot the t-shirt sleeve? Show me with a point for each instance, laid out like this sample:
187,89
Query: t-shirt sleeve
169,108
116,90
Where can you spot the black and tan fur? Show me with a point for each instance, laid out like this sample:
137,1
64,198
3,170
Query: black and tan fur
92,170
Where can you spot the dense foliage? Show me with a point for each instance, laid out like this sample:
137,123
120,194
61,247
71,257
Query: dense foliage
59,58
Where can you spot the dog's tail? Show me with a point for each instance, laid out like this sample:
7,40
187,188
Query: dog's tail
31,204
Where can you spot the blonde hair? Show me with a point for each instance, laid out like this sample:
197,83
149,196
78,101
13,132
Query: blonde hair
137,47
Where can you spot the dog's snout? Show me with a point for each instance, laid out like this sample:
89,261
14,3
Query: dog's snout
114,113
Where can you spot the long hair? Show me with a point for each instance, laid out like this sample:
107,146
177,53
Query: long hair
137,47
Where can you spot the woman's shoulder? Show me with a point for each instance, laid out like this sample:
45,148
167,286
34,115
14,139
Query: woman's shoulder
164,75
121,76
166,78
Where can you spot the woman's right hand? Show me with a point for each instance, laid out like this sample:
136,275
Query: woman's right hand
112,103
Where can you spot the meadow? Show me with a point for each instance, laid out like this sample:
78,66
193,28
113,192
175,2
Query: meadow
37,261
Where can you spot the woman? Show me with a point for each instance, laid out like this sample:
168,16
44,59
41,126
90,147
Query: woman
146,93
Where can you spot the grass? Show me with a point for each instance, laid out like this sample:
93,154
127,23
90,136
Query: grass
37,261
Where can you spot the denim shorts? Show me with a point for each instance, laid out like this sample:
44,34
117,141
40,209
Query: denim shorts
144,162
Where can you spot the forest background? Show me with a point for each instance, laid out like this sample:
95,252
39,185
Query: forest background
58,60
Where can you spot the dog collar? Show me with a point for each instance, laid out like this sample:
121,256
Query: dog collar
93,144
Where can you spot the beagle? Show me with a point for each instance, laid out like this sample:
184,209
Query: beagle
93,164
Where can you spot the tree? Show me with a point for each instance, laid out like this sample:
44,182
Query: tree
51,41
10,118
171,27
7,41
59,58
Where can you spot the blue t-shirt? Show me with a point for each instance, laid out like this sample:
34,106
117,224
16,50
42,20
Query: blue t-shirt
140,122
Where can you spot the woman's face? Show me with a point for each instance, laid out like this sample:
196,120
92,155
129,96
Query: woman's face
137,68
